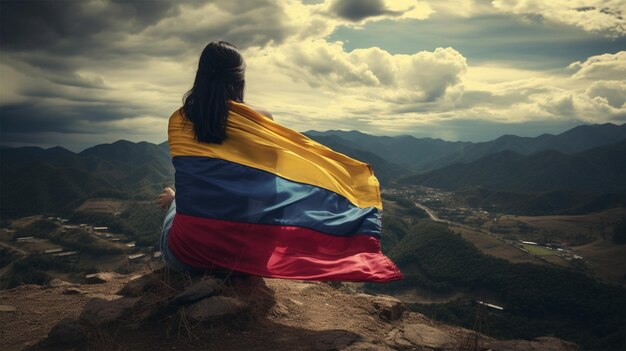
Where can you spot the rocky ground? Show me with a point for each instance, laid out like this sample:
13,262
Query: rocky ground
160,310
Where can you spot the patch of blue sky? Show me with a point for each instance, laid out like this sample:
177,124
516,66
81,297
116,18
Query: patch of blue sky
528,43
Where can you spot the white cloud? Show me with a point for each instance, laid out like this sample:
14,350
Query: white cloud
423,76
614,91
601,67
604,16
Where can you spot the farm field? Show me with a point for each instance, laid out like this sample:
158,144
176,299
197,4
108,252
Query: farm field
495,247
538,250
579,229
606,260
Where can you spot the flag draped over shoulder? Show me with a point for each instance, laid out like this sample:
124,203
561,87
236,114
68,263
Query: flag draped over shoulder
269,201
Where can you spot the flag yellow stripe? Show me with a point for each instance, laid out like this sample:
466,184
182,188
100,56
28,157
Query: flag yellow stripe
257,141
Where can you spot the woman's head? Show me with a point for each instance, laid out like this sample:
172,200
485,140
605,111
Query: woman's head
220,78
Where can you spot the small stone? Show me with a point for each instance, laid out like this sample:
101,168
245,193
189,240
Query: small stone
280,310
103,296
100,278
99,312
388,308
296,302
7,308
199,290
68,332
141,284
394,338
214,308
73,291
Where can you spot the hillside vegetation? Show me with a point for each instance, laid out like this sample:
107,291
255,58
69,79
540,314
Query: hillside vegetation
537,300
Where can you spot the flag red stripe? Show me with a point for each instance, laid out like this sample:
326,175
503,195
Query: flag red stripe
278,251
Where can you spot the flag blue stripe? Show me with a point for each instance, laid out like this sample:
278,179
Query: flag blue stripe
219,189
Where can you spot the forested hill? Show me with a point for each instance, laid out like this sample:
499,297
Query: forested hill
537,300
36,180
600,170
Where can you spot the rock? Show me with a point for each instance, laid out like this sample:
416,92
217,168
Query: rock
99,278
422,335
67,332
389,308
73,291
296,302
199,290
7,308
100,312
425,335
280,310
138,286
395,338
214,308
539,344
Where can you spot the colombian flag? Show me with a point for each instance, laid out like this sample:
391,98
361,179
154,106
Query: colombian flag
271,202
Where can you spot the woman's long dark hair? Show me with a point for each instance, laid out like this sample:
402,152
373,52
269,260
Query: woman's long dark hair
220,78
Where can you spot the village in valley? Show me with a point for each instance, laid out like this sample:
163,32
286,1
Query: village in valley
75,251
556,240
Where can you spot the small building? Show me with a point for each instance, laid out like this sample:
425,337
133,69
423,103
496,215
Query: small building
51,251
100,228
529,243
495,307
131,244
65,254
136,256
156,254
25,239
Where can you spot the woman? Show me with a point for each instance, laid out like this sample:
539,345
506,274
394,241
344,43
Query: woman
256,197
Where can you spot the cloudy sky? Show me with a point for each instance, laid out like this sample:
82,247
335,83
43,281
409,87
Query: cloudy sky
79,73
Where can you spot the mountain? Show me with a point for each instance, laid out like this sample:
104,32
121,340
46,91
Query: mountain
411,152
599,170
548,182
56,180
424,154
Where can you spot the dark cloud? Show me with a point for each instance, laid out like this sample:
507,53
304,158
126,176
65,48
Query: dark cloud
63,55
74,26
357,10
40,116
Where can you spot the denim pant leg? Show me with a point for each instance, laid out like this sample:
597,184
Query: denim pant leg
166,255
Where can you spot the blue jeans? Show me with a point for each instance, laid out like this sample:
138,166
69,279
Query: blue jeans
166,254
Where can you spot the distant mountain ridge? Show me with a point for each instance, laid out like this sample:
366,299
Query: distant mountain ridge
601,169
424,154
37,180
